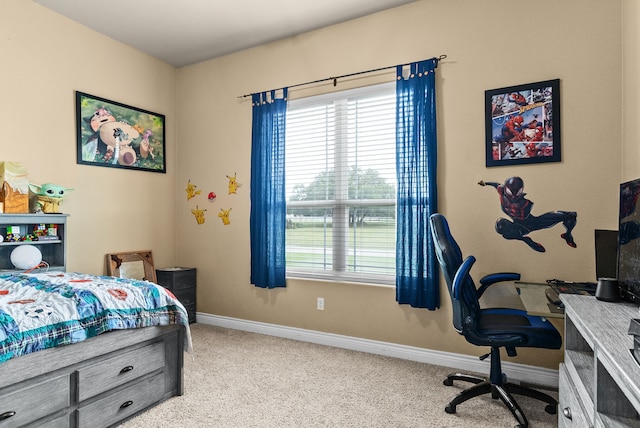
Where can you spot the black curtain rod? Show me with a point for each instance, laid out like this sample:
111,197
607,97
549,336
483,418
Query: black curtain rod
335,79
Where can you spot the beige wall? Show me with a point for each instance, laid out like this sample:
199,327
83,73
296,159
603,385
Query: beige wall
488,47
45,58
630,89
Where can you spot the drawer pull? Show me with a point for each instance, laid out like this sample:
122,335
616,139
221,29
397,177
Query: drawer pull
126,404
126,369
567,413
7,415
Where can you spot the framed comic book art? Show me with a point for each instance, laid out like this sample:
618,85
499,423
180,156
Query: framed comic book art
112,134
522,124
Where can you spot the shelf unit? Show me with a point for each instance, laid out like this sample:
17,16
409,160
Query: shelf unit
600,379
53,252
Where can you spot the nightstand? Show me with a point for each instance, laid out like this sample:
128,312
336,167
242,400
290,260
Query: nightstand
181,281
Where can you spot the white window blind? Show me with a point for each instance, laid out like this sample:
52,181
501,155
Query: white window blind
341,185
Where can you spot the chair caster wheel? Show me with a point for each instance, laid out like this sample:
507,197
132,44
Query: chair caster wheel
448,382
450,409
551,409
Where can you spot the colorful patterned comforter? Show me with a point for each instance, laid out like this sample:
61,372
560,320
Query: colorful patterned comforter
39,311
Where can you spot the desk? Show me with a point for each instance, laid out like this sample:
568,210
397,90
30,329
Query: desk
535,300
599,381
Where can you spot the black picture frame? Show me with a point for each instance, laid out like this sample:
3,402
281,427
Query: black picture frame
116,135
522,124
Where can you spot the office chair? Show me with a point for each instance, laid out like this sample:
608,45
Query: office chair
495,327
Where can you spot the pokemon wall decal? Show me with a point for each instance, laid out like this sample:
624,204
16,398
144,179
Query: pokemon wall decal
224,215
191,190
514,204
233,184
198,214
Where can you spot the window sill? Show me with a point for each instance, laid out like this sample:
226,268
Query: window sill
346,279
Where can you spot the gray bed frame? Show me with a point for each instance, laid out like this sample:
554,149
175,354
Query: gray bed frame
96,383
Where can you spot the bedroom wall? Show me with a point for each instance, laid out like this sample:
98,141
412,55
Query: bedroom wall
506,43
45,58
631,89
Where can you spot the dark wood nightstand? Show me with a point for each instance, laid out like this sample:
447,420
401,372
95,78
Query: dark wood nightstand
181,281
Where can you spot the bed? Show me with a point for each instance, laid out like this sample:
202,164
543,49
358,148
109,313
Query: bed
80,350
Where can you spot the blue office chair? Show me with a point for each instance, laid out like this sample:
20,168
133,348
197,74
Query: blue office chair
495,327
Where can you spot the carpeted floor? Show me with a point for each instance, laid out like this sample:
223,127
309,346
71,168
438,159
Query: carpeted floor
240,379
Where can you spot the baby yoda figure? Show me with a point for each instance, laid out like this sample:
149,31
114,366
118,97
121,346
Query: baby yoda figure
49,197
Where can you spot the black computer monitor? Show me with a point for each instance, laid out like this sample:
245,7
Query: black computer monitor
629,242
606,246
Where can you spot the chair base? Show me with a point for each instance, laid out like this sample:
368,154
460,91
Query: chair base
502,391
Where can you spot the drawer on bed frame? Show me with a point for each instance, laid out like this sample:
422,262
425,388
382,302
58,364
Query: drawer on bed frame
122,403
120,369
35,401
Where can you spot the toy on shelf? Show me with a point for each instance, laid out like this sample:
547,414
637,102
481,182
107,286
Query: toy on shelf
43,233
49,197
13,234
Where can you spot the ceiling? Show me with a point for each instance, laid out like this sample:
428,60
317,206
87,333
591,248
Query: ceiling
185,32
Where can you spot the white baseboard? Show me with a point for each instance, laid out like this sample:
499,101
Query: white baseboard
515,372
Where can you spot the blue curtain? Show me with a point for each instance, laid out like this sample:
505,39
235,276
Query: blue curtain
268,205
417,274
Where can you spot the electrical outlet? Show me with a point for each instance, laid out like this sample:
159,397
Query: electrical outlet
320,304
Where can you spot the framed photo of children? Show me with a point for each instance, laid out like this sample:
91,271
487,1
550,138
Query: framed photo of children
523,124
116,135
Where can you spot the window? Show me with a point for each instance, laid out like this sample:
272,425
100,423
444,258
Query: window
341,185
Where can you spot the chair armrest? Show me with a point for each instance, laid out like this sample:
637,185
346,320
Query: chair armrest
492,278
461,274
